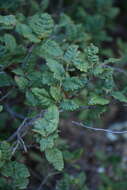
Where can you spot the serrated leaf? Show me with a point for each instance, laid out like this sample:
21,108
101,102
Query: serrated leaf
26,32
21,82
50,48
42,25
18,172
81,64
5,151
69,105
10,42
91,54
56,68
48,142
31,99
119,96
55,93
8,20
73,83
49,123
47,78
42,96
94,100
71,53
55,157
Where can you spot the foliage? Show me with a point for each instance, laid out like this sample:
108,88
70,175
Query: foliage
49,64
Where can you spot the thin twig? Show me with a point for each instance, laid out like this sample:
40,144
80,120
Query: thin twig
24,146
18,131
28,122
13,113
16,147
98,129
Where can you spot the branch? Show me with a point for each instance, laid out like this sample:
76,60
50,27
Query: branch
30,121
98,129
26,123
13,113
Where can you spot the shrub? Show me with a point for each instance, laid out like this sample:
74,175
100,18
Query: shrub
49,64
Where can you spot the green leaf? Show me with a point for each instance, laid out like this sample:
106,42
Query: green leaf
55,93
50,48
94,100
119,96
10,42
31,99
42,96
55,157
111,60
18,173
5,150
91,54
8,20
21,82
56,68
18,71
98,70
42,25
47,78
73,83
81,64
48,142
72,53
26,32
69,105
49,124
1,108
21,183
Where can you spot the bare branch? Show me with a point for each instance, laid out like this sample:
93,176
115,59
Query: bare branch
12,113
29,122
24,125
98,129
